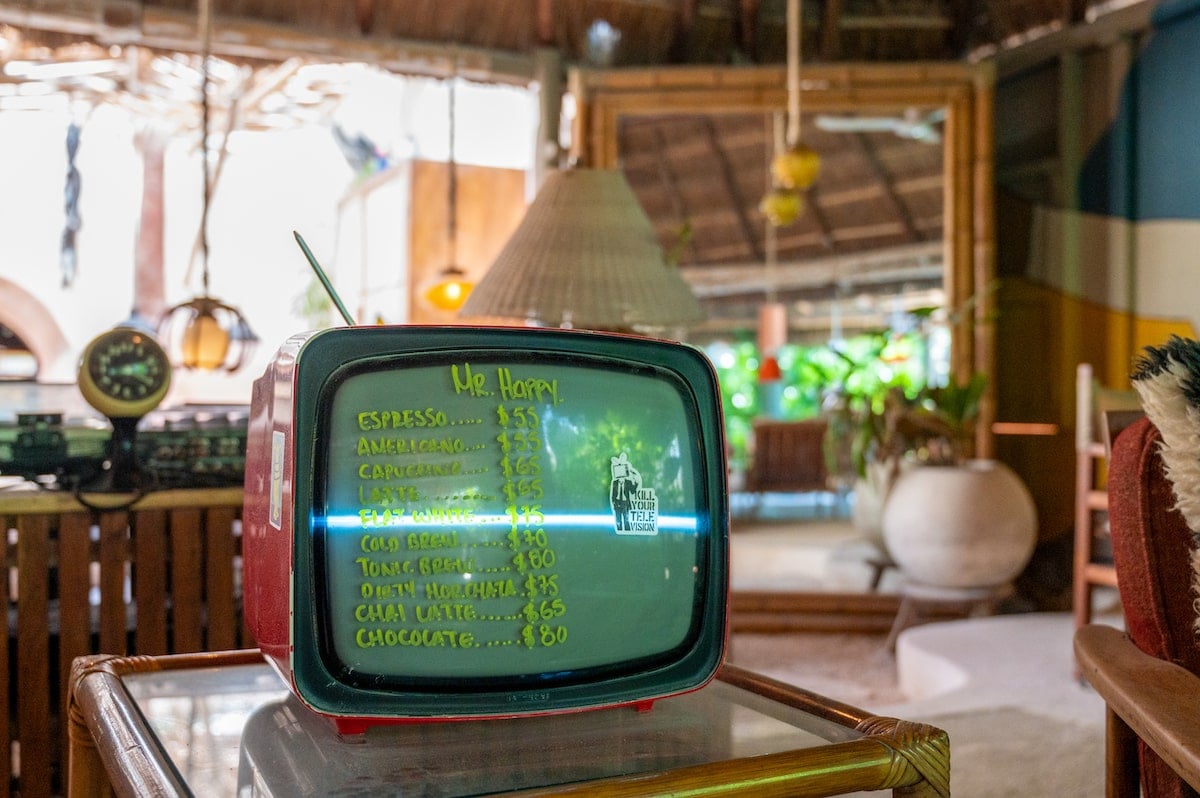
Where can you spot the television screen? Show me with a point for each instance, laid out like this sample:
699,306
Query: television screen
480,521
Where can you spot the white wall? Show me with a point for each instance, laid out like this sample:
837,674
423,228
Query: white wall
273,183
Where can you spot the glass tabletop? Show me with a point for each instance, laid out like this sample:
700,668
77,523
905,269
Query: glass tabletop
237,730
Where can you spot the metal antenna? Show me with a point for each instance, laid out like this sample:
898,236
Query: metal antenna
312,261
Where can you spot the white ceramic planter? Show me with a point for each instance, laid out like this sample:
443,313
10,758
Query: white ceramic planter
967,526
870,493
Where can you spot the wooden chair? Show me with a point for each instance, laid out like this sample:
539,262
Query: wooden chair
788,457
1093,405
1147,675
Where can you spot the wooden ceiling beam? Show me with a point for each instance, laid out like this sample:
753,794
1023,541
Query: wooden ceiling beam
896,22
364,15
831,34
545,22
1075,11
965,16
747,21
813,198
735,195
670,184
246,39
685,16
888,184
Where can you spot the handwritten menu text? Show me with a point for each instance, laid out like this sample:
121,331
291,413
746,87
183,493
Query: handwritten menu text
453,550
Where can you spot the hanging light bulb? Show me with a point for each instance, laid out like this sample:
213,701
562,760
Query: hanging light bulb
451,290
205,333
205,344
452,287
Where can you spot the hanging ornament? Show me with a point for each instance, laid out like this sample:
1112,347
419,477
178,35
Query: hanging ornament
797,168
72,221
782,206
796,165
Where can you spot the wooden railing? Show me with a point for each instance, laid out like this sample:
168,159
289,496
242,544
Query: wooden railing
160,576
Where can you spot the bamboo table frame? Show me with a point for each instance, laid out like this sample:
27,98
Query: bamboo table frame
113,745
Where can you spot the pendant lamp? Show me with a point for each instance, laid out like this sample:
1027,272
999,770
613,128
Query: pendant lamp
205,333
772,329
451,289
586,256
452,286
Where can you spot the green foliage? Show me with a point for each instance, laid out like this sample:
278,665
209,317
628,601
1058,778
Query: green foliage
947,414
737,370
859,375
652,447
818,379
956,405
873,389
314,305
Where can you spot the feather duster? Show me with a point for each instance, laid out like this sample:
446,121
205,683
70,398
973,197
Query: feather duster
1167,378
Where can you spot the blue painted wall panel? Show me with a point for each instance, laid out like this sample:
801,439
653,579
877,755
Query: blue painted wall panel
1147,165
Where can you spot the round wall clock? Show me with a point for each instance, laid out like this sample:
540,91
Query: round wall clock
124,373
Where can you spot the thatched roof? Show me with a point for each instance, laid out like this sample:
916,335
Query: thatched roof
874,219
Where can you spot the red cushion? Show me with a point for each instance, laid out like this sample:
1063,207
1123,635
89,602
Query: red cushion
1151,551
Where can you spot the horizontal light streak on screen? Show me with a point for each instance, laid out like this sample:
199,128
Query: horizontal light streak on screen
352,522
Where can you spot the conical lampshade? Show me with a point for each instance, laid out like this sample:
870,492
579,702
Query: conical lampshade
585,256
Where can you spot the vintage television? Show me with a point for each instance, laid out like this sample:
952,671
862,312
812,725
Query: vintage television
471,522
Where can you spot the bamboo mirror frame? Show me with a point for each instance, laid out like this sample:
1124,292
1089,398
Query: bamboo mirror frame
604,97
965,92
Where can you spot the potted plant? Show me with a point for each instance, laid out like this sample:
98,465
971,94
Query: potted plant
862,399
951,521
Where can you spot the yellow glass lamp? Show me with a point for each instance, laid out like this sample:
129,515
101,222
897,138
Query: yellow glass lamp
450,291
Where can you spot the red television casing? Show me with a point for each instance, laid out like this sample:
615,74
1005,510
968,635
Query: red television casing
279,559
